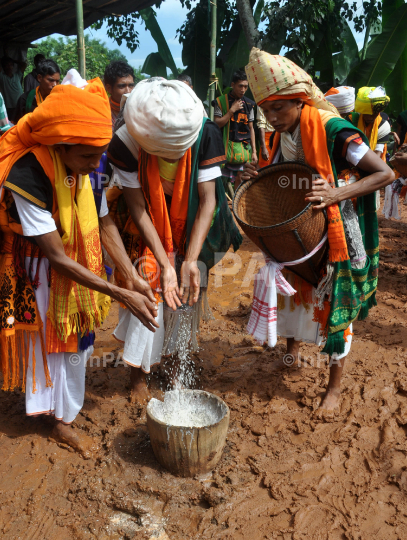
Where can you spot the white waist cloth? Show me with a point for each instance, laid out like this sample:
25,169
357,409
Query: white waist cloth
142,348
264,325
263,319
65,398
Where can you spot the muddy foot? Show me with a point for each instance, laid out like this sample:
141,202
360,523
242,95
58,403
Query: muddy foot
328,410
81,443
331,400
140,394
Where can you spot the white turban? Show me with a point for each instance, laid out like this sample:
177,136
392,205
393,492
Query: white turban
72,77
164,117
343,98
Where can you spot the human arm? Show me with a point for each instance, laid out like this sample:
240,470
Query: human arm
112,242
396,137
190,275
400,163
253,143
139,305
263,145
137,206
223,120
380,176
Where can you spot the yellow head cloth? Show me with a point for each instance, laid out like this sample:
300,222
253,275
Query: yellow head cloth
371,100
271,75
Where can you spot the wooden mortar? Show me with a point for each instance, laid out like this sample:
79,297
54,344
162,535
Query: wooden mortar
189,451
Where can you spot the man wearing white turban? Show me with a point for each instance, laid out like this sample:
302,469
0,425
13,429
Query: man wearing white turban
343,98
173,215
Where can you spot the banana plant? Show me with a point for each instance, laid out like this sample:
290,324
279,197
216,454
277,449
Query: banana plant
156,63
396,82
346,60
382,52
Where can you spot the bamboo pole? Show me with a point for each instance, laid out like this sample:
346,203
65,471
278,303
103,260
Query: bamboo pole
80,38
213,78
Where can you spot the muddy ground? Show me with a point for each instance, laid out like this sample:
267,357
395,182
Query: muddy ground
283,475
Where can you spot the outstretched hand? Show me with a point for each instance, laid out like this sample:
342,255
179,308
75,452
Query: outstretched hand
169,286
142,308
137,283
190,282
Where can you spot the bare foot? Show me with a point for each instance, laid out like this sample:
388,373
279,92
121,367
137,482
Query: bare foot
292,356
140,394
331,400
81,443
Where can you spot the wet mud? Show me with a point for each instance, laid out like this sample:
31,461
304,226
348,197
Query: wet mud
284,473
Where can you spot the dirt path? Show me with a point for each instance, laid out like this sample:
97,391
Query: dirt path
282,475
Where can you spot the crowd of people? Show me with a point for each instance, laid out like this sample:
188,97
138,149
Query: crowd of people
163,217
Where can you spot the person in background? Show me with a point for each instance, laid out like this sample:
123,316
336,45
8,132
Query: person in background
183,77
48,75
234,115
30,80
10,85
373,122
343,98
118,80
4,123
265,131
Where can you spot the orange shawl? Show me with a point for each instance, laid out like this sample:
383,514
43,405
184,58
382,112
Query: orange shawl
171,226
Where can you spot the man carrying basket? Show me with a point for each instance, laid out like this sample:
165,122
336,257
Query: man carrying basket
310,130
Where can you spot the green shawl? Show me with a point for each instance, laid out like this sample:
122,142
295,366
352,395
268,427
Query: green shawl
354,291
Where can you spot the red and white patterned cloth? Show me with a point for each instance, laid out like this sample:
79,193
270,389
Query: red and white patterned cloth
268,281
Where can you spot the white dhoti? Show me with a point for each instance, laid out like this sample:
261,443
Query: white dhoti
65,398
142,348
299,324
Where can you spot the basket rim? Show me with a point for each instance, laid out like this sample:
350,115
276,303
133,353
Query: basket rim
246,185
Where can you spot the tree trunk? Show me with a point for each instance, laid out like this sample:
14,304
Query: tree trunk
249,26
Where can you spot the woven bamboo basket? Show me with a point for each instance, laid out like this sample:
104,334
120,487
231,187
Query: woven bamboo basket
272,211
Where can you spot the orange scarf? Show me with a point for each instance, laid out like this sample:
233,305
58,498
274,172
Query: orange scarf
314,144
171,226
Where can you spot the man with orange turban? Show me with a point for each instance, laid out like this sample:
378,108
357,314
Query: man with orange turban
309,129
53,288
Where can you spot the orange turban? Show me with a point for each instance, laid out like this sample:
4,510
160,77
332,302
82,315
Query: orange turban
69,115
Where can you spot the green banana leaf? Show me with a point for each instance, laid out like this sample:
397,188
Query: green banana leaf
382,53
196,44
388,8
323,61
396,82
149,17
396,89
154,65
346,60
239,54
